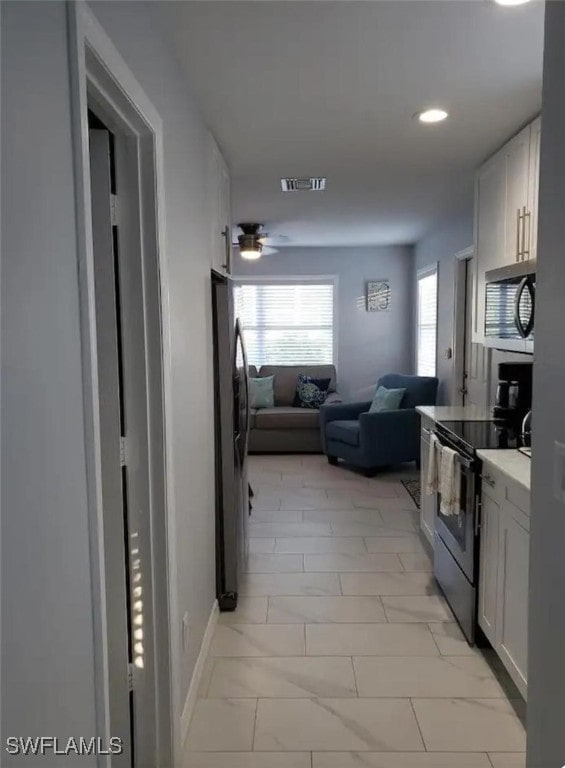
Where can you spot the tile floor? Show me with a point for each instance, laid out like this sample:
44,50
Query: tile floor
342,653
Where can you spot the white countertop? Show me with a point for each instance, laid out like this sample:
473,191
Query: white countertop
510,462
456,412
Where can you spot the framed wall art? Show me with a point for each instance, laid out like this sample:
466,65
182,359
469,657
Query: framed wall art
378,295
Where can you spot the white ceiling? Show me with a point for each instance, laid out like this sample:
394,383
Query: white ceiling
328,88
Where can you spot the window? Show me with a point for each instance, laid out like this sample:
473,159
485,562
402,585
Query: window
287,322
426,330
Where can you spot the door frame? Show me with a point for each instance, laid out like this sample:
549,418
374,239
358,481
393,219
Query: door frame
459,318
100,76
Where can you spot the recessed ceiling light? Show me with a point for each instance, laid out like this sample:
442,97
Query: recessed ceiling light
511,2
434,115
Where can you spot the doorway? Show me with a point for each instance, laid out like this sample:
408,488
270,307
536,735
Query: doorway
471,361
118,155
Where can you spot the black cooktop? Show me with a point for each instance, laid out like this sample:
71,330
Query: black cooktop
485,434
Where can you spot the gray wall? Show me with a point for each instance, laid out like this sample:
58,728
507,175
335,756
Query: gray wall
453,235
546,667
370,344
47,653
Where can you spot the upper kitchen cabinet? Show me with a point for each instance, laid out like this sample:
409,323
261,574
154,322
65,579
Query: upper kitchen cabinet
506,192
219,208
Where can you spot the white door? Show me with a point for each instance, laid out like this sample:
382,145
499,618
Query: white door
121,336
476,367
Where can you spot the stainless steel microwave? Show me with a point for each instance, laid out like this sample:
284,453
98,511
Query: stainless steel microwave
510,304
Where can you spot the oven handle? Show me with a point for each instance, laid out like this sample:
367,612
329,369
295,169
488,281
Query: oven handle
463,460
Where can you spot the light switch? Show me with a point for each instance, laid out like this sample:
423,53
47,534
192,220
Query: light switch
559,471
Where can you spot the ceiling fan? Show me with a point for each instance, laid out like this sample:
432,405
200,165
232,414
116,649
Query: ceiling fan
252,243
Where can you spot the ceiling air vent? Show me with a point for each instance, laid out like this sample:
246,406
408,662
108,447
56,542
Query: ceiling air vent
316,184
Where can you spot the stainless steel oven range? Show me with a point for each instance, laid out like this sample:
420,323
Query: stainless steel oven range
456,545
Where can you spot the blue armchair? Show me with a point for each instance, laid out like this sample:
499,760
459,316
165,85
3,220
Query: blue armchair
373,440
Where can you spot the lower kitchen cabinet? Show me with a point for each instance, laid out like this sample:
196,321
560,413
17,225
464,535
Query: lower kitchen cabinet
513,585
504,578
488,573
428,503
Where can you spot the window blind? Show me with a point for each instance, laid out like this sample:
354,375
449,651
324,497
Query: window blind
426,342
287,323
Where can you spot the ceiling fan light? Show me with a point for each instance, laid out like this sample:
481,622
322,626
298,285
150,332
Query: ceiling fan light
251,252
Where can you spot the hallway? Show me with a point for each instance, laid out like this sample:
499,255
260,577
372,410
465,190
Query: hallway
342,653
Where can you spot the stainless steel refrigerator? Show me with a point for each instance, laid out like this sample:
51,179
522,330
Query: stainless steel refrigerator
231,418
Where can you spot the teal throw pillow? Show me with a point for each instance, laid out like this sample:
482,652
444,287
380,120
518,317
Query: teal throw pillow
262,392
386,399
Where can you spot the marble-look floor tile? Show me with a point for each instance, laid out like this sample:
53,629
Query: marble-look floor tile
367,530
336,724
276,516
330,610
508,760
391,505
251,760
250,610
399,760
271,530
399,518
370,640
399,544
308,503
257,584
465,725
283,678
416,676
388,584
258,640
222,725
265,503
359,563
414,562
427,608
370,516
319,545
451,641
274,563
261,546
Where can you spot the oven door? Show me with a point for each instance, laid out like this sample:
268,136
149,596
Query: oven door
459,532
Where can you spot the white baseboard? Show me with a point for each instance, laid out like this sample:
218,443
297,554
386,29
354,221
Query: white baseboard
192,694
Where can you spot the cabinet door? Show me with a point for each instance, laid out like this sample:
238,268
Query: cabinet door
513,585
488,572
533,187
517,153
490,206
427,503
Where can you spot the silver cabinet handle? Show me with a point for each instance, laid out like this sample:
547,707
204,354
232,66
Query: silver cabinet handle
488,480
518,232
526,250
426,431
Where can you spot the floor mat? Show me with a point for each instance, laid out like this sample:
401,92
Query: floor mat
413,488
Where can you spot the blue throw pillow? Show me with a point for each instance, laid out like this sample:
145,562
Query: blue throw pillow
310,393
262,392
386,399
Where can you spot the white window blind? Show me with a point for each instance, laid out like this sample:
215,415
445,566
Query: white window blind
287,322
426,331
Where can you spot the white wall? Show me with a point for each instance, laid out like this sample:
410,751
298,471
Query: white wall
453,235
47,629
370,344
546,663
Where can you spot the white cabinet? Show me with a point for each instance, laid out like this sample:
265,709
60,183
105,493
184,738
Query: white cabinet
218,208
513,585
428,503
504,572
488,573
506,193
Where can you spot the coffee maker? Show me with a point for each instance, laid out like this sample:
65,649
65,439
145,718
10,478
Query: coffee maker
514,391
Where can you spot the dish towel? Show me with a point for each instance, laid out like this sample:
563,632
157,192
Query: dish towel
432,477
449,484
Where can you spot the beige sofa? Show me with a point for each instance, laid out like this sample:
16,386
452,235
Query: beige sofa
285,429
